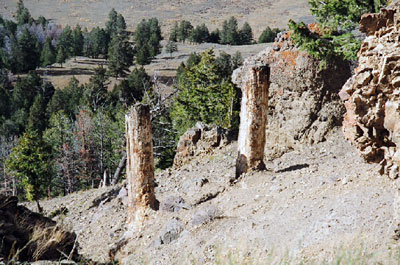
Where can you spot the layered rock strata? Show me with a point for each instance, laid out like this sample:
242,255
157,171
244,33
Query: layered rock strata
140,163
372,95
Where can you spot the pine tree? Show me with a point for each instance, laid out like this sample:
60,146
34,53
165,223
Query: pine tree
143,55
31,161
47,56
61,55
336,21
184,30
111,24
204,95
268,35
29,56
23,15
133,88
173,35
246,34
77,40
230,33
95,93
120,56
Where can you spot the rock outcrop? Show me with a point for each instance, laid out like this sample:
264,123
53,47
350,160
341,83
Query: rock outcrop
199,140
28,236
372,95
303,103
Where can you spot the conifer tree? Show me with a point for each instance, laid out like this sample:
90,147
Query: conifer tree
23,15
31,161
47,56
173,35
77,40
204,95
246,34
61,55
336,21
120,56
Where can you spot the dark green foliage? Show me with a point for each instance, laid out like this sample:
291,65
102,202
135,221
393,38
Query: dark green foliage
184,30
78,41
23,15
246,34
336,21
41,20
147,38
204,95
95,43
116,24
268,35
67,99
47,56
120,55
214,36
61,55
31,161
143,55
37,120
173,35
25,52
95,94
66,41
200,34
230,33
171,47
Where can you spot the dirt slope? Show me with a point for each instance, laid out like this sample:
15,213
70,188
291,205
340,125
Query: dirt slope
89,13
310,202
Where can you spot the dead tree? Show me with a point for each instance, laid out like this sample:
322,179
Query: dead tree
254,83
140,163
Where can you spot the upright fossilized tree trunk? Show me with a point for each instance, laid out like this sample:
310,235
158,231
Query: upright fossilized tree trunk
140,163
254,83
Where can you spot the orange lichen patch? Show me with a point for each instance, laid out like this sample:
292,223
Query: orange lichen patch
290,57
314,27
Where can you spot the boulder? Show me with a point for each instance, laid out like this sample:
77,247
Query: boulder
201,139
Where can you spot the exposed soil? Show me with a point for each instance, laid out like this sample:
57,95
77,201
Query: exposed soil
313,202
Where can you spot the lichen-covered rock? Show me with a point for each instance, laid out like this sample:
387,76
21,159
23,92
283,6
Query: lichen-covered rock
372,95
28,236
201,139
303,104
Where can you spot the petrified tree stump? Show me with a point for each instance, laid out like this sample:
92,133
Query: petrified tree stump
254,84
140,163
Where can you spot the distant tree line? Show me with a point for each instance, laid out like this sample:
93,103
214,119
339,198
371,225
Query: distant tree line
29,43
229,34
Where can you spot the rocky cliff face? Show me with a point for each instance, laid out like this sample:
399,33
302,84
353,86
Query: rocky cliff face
372,95
303,104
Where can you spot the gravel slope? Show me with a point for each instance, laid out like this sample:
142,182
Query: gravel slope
312,202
